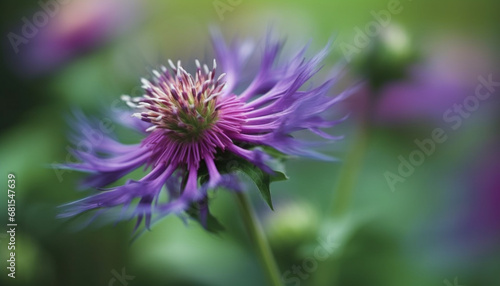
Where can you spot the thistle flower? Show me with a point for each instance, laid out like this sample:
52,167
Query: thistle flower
197,123
74,28
441,79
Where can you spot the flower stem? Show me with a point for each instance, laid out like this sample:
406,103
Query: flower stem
349,175
353,163
258,238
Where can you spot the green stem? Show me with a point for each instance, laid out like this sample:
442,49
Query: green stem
349,174
327,273
258,238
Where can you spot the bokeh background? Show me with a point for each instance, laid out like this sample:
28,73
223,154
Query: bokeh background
439,225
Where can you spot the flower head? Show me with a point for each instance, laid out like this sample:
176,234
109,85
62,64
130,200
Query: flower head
425,88
75,27
197,123
189,118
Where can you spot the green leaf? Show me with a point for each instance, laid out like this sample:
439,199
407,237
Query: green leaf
273,152
279,171
213,224
230,163
262,179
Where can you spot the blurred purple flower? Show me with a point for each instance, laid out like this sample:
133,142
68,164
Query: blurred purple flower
75,27
447,75
196,121
481,214
468,227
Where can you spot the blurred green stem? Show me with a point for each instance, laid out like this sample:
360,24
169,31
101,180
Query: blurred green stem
327,273
349,174
258,238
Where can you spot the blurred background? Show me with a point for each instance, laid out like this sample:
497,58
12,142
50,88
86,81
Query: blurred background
414,199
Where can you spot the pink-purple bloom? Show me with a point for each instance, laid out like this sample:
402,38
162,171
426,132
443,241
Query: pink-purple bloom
74,28
198,123
442,79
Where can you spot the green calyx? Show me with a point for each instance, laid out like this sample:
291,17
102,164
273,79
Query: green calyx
190,124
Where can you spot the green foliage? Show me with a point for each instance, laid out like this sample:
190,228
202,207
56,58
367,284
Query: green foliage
261,178
228,163
212,224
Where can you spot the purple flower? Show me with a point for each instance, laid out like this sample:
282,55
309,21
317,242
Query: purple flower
468,228
446,76
74,28
197,124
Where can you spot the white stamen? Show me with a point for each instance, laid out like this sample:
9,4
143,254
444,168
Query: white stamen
145,82
183,70
131,104
197,62
151,128
221,76
205,68
125,97
156,73
171,64
210,97
137,115
215,64
190,79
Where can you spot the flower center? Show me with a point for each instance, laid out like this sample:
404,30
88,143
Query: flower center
183,105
